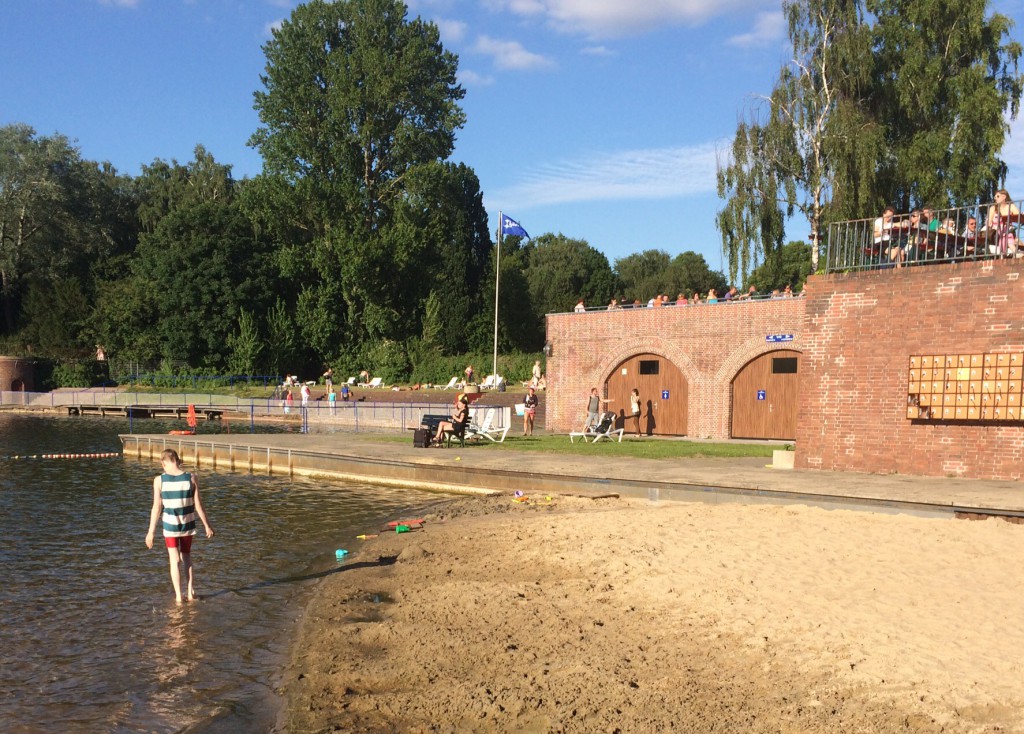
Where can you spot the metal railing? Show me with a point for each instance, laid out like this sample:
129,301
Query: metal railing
925,237
316,417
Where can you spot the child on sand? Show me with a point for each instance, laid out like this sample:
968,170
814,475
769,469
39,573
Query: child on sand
176,497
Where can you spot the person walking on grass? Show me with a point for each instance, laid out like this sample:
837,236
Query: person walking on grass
530,411
176,501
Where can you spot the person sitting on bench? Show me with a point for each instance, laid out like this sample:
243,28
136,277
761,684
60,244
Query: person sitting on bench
458,422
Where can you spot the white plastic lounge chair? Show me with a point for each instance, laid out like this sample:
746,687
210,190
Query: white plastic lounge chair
486,430
603,428
375,382
350,381
451,384
488,383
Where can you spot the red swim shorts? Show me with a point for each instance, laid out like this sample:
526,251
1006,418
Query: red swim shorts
183,544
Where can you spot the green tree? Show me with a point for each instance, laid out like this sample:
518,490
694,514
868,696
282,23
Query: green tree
443,209
804,140
790,266
356,97
246,346
689,272
201,266
946,74
517,318
642,275
34,196
280,345
884,101
165,187
562,270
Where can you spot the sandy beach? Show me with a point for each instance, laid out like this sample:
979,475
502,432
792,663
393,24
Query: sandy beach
605,615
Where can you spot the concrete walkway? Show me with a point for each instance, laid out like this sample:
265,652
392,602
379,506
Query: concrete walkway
482,468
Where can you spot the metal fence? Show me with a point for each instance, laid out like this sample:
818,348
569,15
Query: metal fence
924,237
319,416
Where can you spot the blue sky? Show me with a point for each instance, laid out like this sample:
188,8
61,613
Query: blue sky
598,119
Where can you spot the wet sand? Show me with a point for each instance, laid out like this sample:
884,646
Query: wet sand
584,615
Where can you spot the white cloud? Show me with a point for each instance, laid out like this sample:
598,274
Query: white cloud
768,28
510,54
469,78
615,18
597,51
659,173
452,31
121,3
274,25
280,3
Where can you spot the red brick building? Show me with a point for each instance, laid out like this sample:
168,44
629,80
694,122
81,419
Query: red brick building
858,339
708,344
860,333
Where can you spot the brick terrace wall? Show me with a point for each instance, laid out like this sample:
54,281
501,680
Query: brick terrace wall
860,332
708,343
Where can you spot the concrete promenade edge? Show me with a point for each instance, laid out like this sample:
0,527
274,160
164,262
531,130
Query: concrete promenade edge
479,469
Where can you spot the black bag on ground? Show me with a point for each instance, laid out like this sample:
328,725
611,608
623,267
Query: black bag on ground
421,438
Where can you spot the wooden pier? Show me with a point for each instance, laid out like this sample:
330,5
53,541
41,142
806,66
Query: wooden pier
147,411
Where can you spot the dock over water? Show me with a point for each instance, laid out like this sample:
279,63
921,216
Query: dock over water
146,411
383,460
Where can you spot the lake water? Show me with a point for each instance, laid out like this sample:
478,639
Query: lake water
90,637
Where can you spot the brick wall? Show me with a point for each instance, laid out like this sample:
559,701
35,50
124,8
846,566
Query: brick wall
859,334
708,343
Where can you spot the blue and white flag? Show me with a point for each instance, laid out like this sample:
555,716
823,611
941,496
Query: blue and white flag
511,226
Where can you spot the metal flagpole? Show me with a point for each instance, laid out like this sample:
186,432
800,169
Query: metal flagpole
497,281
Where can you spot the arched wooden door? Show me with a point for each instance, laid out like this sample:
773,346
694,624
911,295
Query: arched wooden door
663,395
765,396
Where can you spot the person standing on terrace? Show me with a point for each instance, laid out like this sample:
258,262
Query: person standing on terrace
1000,216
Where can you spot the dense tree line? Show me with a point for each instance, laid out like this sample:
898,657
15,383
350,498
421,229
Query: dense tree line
360,245
883,102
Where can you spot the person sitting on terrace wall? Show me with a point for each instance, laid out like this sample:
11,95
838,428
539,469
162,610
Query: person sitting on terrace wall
731,294
695,299
968,238
750,294
712,296
681,299
613,305
580,308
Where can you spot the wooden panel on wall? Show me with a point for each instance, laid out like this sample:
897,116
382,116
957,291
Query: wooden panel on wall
664,396
765,400
969,387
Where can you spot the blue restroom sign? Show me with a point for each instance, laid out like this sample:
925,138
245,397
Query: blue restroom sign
664,394
776,338
762,394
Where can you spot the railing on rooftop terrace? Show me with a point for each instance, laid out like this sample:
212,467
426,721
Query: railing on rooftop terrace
925,237
722,300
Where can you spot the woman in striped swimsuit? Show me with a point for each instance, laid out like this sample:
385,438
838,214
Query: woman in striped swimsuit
176,500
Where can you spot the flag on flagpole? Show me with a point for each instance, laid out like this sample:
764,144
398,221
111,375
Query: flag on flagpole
511,226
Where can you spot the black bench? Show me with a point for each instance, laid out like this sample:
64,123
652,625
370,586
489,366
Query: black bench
432,421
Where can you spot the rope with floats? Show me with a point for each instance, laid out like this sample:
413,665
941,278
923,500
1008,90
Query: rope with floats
107,455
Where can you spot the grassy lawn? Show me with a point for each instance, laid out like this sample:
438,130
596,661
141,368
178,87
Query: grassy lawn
644,448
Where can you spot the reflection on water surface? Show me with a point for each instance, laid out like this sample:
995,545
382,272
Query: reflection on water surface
90,637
